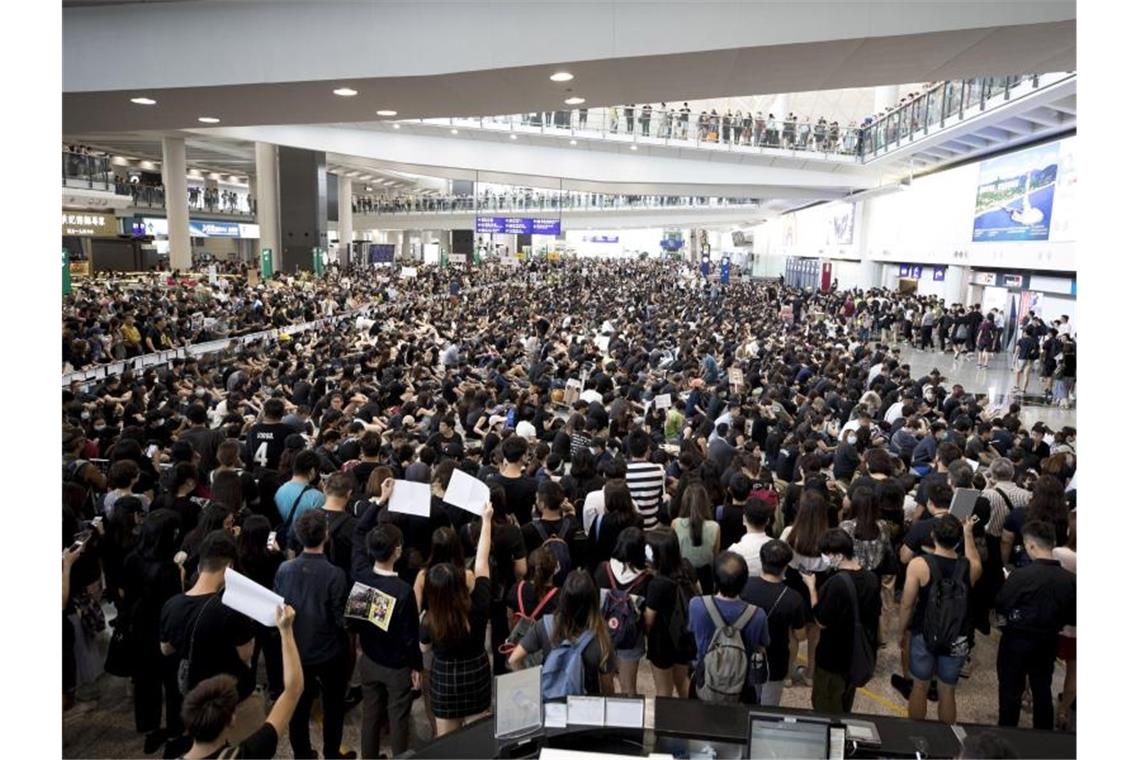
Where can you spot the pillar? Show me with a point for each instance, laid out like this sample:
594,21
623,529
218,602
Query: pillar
265,159
780,106
303,206
177,203
886,97
344,219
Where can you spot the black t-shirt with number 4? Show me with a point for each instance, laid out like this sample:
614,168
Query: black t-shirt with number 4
266,442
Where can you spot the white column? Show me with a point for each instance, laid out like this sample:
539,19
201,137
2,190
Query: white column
780,106
344,218
177,203
886,97
265,159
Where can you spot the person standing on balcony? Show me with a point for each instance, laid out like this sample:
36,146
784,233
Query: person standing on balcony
629,118
685,121
582,114
646,115
737,127
663,121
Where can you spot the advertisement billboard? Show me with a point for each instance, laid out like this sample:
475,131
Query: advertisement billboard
1015,195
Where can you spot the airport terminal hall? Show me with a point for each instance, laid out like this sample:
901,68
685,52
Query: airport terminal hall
569,380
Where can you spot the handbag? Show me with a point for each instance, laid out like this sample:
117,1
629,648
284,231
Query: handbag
863,650
184,663
282,531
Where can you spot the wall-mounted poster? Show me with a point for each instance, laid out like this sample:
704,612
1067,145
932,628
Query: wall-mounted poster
1015,195
840,223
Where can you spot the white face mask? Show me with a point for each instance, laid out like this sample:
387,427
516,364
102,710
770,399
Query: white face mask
833,561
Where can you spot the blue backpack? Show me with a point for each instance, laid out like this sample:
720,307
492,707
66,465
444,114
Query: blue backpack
563,673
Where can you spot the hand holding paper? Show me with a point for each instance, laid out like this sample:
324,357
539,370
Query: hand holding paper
251,599
663,401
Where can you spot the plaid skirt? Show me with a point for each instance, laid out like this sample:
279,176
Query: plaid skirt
460,688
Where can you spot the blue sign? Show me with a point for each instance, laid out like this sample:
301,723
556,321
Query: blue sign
518,225
725,270
916,271
939,274
381,253
602,239
904,270
215,229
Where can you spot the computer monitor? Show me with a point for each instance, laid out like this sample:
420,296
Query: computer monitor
787,737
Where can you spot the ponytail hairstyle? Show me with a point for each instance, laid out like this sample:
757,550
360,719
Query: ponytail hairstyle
541,567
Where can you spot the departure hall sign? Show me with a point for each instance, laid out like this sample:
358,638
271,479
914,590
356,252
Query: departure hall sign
514,225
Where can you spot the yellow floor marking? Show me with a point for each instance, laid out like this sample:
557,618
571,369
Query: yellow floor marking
874,697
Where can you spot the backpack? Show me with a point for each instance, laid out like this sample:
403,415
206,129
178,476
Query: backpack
563,673
723,672
283,529
681,639
559,546
81,496
621,615
522,623
947,606
863,650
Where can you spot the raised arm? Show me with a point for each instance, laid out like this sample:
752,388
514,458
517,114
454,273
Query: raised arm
294,680
483,550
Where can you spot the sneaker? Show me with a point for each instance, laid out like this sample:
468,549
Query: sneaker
902,685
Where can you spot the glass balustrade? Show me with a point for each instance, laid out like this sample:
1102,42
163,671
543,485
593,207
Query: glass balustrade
85,171
538,202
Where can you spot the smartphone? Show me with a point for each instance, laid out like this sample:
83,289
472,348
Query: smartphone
962,505
272,542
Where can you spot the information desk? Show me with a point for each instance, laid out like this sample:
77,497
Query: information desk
685,727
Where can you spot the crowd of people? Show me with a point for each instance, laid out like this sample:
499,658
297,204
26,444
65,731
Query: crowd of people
531,199
731,481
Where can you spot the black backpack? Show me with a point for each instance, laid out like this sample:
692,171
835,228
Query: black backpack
947,606
559,545
863,650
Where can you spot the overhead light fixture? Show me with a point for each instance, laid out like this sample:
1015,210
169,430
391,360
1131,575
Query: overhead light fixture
573,142
368,189
344,92
574,101
208,119
144,101
395,126
514,137
454,131
633,147
561,76
385,112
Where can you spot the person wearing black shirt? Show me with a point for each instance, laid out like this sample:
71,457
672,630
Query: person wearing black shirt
786,612
667,595
454,629
730,516
520,489
266,439
1036,602
391,663
212,638
319,590
209,708
833,608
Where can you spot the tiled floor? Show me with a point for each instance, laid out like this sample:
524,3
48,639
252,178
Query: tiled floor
104,727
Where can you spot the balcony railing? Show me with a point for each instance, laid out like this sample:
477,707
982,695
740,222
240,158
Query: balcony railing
714,132
84,171
529,200
199,199
937,108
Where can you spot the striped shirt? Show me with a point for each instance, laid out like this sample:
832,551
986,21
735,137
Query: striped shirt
999,510
646,482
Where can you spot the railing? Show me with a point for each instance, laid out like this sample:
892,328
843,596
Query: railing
199,199
938,107
84,171
537,201
944,105
716,132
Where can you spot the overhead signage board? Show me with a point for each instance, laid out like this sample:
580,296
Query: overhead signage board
157,227
513,225
214,229
88,224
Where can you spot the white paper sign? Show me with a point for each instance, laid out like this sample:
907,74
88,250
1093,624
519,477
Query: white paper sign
664,401
467,493
586,711
555,714
602,342
250,598
410,498
625,713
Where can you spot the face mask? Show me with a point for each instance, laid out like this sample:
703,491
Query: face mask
100,428
85,415
833,561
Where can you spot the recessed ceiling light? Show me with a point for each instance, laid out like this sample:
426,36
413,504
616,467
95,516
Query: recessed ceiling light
561,76
514,137
208,119
395,126
143,101
385,112
344,92
454,131
574,101
368,189
633,147
573,142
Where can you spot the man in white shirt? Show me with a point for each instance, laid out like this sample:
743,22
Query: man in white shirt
874,372
758,516
594,505
590,395
894,411
1065,327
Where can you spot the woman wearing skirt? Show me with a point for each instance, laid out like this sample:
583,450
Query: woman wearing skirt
453,630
